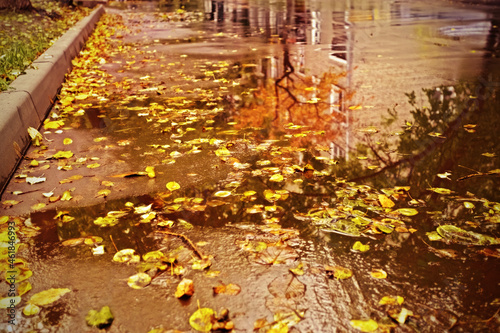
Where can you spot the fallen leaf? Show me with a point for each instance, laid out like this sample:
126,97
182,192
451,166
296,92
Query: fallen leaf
101,318
35,180
62,154
31,309
127,256
172,186
378,273
185,288
369,325
229,289
385,201
338,272
48,296
202,319
139,281
222,194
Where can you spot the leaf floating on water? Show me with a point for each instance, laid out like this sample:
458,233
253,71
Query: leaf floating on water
369,325
299,270
385,201
378,273
469,205
338,272
489,154
360,247
143,209
107,221
276,178
100,319
407,211
445,175
368,130
388,300
48,296
172,186
453,234
222,194
139,281
127,256
202,319
440,190
151,172
402,315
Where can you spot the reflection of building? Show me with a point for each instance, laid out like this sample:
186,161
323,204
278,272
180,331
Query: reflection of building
385,48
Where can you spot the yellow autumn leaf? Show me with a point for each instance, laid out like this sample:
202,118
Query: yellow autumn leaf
378,273
38,206
172,186
139,280
185,288
66,196
93,165
222,194
276,178
369,325
151,172
201,320
62,154
385,201
31,309
67,141
48,296
55,124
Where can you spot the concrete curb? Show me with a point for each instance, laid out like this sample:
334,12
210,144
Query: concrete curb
34,92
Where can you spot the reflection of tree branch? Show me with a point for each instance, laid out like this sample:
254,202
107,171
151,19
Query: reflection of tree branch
289,70
429,147
370,145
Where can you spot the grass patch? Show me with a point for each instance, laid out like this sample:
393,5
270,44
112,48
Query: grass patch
26,35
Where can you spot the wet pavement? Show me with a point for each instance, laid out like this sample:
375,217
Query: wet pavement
177,142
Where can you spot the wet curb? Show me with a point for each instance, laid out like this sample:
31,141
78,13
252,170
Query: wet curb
33,93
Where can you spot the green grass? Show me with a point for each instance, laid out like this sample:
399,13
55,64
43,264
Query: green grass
25,35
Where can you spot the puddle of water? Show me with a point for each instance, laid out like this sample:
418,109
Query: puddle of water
203,109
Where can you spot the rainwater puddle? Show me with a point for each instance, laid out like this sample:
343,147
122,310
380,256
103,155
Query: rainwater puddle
360,136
